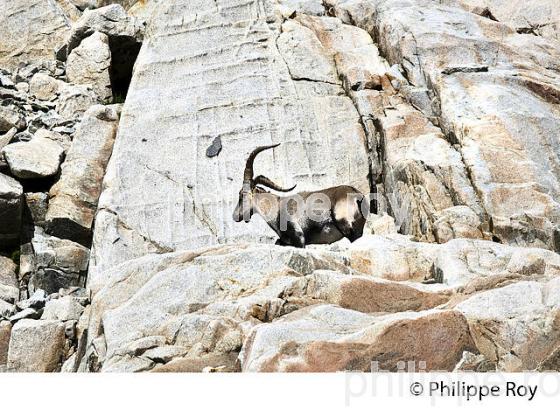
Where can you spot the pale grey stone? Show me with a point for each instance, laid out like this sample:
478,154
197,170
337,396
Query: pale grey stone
111,20
37,203
44,87
36,346
38,158
522,319
30,30
325,338
539,18
165,353
85,4
5,332
57,263
63,140
209,300
449,114
73,199
6,81
9,288
7,137
23,87
10,118
74,101
9,293
89,63
306,58
7,272
380,225
65,308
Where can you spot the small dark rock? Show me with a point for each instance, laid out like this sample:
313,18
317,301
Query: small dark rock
28,313
465,69
36,301
60,52
23,136
215,148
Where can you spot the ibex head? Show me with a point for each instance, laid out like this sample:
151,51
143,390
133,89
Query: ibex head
247,195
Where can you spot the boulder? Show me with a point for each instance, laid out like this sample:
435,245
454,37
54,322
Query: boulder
538,18
7,137
11,206
369,295
64,140
7,272
457,222
449,111
73,199
9,287
142,9
380,225
5,80
70,9
36,346
57,263
204,315
38,158
9,293
37,203
74,100
10,117
45,87
5,332
305,56
164,354
516,326
357,59
473,265
327,338
30,30
111,20
423,174
22,86
89,63
65,308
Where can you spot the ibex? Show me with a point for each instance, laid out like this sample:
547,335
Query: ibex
318,217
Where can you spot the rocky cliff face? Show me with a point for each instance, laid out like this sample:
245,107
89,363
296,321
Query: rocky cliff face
448,111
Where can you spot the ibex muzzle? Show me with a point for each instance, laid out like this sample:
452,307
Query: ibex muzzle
317,217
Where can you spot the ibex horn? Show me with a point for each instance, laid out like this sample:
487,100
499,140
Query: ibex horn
262,180
248,175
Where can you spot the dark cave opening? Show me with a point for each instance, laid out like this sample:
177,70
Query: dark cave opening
124,52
